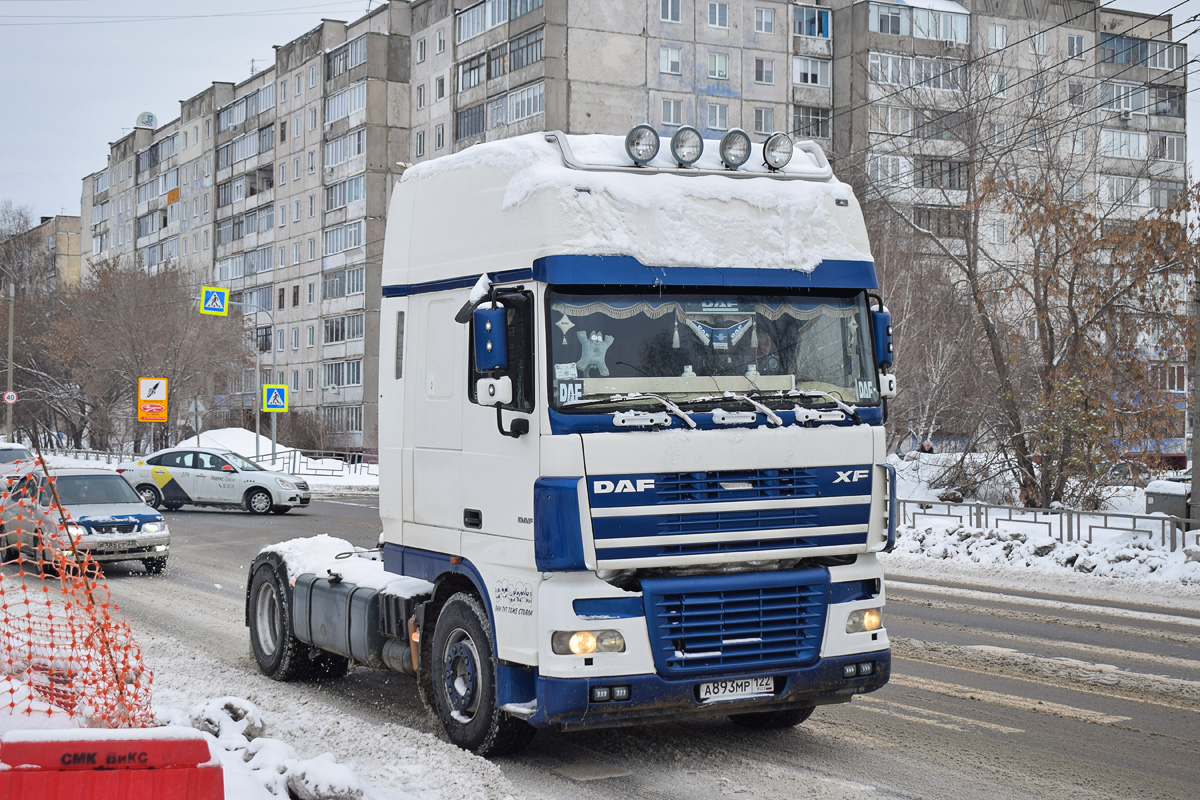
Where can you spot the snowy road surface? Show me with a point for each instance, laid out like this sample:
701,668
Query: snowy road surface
1002,688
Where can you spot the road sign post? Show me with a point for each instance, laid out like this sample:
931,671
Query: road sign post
214,300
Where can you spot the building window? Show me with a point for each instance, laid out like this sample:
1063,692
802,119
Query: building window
1124,144
718,66
1075,94
295,338
296,296
439,87
1074,46
764,120
469,122
527,102
885,19
997,231
421,96
669,61
811,21
295,380
527,49
310,337
420,145
672,112
440,41
888,171
471,71
308,378
439,137
1037,43
998,84
420,51
997,36
812,71
764,20
939,174
811,122
718,15
669,11
1167,147
718,116
764,70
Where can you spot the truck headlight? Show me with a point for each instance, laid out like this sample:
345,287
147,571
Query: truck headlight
735,148
285,485
687,145
582,643
642,144
777,150
864,619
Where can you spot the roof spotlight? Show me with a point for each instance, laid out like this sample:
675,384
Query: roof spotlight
735,148
777,150
642,144
686,145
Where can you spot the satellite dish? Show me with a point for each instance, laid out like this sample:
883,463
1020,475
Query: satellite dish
147,120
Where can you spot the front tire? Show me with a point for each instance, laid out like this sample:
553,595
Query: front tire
258,501
155,566
772,720
464,682
280,509
150,495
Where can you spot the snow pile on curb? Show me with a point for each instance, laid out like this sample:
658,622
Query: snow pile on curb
1126,556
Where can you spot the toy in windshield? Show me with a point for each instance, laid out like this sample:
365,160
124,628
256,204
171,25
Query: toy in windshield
595,349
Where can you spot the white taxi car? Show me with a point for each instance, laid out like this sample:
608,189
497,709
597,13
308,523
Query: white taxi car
212,476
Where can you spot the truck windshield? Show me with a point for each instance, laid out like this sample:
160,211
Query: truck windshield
698,350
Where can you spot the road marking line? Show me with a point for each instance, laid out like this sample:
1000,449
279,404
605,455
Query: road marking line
1059,605
910,718
1006,700
344,503
872,699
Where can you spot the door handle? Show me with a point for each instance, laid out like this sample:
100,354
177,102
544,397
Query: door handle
473,518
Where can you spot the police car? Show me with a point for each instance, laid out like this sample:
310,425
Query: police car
104,515
212,476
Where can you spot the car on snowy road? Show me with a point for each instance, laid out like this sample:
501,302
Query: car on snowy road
103,514
213,476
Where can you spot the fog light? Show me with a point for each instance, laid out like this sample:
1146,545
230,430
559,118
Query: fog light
777,150
849,670
601,694
864,619
686,145
620,693
866,668
735,148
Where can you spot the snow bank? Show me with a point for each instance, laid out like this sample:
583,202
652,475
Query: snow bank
239,440
1169,487
1128,555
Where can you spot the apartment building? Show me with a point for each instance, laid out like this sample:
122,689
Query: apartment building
43,258
277,187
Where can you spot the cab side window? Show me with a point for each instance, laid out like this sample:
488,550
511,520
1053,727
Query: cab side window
182,460
211,462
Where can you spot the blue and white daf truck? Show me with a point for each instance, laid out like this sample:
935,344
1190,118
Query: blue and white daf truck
631,444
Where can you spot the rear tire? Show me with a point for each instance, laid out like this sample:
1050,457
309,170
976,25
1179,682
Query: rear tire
772,720
280,655
463,674
155,566
151,496
258,501
172,506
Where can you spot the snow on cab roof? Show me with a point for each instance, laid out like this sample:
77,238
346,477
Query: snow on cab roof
666,218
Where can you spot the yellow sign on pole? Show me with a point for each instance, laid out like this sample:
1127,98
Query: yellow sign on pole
152,400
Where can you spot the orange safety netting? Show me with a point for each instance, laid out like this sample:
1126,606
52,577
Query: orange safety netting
63,646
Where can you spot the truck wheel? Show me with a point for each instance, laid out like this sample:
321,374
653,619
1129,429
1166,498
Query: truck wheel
772,720
258,501
280,655
150,495
463,673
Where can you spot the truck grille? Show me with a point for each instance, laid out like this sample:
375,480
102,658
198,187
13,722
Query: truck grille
125,527
731,485
723,624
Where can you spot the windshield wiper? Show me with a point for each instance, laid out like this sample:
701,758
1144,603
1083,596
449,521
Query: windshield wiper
772,417
845,409
664,402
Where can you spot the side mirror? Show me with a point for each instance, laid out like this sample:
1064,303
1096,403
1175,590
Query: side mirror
883,338
494,391
491,339
887,386
228,468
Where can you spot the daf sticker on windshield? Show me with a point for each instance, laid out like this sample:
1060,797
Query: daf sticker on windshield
570,391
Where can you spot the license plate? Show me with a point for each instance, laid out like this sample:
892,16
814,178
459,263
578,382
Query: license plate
117,545
739,687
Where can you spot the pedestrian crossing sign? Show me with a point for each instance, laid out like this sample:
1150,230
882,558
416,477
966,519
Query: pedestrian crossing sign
214,300
275,397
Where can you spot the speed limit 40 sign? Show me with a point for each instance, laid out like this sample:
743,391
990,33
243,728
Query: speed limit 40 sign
10,397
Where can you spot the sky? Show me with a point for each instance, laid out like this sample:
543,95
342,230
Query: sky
79,72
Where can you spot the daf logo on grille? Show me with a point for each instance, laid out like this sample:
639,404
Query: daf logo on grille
621,487
851,476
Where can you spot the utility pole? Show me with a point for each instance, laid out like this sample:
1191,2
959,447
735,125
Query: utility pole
1194,504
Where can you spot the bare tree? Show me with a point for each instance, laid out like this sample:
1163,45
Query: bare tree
1070,285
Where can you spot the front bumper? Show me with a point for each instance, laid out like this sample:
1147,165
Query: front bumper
565,702
124,548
